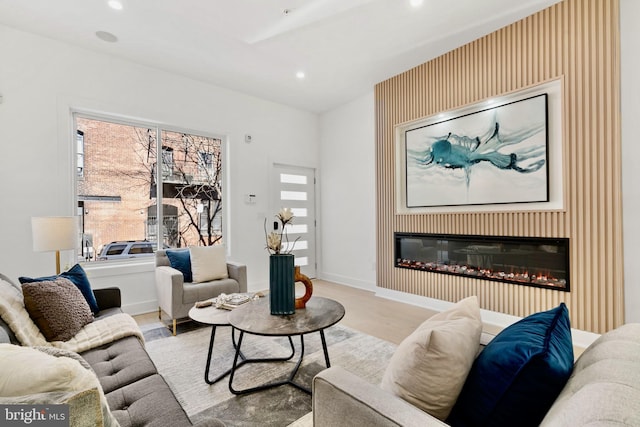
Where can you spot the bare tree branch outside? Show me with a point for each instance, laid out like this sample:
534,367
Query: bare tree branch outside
117,186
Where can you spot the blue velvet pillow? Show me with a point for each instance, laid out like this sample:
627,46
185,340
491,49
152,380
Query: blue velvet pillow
181,261
78,277
519,374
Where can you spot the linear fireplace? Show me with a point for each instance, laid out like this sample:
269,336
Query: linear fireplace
530,261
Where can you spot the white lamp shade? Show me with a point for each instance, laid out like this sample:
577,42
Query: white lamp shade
54,233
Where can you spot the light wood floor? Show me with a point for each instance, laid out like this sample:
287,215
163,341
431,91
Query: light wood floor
385,319
388,320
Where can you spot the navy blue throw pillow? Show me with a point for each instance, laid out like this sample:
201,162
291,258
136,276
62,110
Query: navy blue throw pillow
78,277
181,261
519,374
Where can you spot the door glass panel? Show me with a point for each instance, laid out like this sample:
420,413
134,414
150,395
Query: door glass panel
296,228
292,179
293,195
299,212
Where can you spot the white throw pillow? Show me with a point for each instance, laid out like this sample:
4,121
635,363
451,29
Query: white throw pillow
208,263
28,371
25,370
431,365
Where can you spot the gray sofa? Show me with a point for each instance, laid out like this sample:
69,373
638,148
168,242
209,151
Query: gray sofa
136,393
604,390
176,297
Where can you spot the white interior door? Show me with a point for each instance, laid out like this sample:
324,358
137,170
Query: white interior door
294,187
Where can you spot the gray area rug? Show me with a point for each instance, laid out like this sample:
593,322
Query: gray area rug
181,361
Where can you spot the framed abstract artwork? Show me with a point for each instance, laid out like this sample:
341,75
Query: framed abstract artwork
489,154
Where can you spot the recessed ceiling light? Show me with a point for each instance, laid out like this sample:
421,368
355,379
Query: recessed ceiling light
106,36
115,4
300,75
416,3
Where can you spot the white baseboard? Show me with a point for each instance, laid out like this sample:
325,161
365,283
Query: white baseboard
494,319
141,307
347,281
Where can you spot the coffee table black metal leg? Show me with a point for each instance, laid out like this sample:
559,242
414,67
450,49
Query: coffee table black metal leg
210,354
294,372
236,365
324,348
292,375
233,339
233,366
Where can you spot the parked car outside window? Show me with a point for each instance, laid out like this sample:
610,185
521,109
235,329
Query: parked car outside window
126,249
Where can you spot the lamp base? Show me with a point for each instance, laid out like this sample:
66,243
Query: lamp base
57,262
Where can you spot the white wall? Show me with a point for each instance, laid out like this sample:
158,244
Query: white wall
348,196
630,104
42,79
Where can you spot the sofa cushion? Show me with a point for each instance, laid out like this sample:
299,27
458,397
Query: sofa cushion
208,263
519,374
57,307
429,367
120,363
147,402
180,259
604,388
201,291
78,277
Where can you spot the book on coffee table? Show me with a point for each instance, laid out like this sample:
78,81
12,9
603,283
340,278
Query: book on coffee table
235,300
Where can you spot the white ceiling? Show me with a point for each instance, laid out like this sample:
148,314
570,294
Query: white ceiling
344,47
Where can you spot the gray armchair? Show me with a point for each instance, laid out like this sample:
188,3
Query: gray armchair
175,297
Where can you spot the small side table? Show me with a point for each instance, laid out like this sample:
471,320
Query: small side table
215,317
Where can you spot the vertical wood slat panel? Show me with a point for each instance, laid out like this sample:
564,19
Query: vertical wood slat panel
577,41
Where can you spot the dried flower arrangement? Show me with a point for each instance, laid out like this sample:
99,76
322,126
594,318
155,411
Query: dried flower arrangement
278,243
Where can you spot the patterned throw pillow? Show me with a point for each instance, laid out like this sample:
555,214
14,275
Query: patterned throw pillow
57,307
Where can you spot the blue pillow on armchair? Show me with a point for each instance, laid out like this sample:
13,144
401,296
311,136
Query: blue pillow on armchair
519,374
78,277
180,259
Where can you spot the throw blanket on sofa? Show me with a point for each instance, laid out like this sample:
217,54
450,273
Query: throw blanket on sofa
102,331
99,332
16,316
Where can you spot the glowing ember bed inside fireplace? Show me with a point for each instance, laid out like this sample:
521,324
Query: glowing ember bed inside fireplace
531,261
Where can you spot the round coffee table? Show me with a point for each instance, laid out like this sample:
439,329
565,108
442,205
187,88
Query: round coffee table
215,317
255,318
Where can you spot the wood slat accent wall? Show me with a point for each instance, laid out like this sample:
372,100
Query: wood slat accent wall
577,40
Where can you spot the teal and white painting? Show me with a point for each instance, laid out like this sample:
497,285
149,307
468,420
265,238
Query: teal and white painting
496,155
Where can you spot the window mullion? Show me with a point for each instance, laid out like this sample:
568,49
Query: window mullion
159,188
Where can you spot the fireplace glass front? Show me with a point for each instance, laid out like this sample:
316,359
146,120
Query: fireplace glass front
531,261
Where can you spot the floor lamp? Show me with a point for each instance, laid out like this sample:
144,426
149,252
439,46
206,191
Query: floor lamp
54,233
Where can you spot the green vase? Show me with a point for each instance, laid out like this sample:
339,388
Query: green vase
282,294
